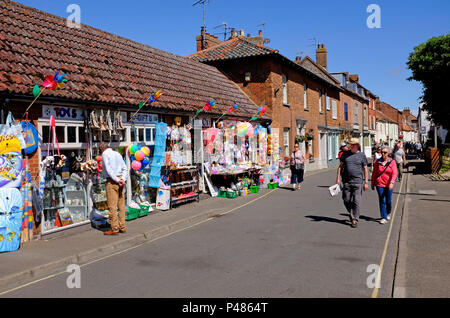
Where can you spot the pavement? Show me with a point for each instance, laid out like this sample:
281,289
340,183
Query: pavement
41,257
423,264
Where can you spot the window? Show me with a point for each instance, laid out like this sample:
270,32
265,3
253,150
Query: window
286,141
346,111
337,145
327,101
334,109
305,99
285,93
320,101
356,114
330,147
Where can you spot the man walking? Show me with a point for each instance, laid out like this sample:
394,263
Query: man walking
400,159
116,172
355,178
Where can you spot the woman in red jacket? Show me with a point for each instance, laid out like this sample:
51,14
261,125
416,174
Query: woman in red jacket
383,177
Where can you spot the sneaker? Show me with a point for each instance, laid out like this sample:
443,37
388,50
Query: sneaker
354,224
389,216
383,221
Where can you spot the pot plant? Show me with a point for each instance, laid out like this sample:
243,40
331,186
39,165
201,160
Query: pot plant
300,138
309,136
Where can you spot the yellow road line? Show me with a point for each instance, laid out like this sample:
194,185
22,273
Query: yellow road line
386,244
133,247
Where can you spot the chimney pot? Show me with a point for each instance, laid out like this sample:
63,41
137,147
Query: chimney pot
260,33
242,33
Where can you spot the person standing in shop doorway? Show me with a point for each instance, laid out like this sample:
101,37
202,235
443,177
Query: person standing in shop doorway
355,179
116,173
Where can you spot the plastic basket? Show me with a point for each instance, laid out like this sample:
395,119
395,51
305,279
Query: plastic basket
232,195
273,185
132,214
254,189
144,210
222,194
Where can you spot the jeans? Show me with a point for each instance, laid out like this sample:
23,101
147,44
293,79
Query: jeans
400,170
297,176
351,194
385,200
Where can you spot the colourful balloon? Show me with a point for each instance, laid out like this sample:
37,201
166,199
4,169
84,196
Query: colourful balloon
99,158
140,155
136,165
146,151
242,129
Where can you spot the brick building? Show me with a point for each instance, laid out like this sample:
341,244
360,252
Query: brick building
301,97
388,122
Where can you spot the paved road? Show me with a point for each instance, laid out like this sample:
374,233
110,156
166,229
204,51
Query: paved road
286,244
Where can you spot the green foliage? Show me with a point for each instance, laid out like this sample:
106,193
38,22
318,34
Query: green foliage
430,65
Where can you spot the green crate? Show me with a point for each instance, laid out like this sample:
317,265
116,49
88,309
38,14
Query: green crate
144,210
232,195
132,214
222,194
272,185
254,189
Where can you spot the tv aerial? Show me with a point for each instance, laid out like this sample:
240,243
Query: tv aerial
226,28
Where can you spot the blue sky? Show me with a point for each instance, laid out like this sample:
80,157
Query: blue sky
379,56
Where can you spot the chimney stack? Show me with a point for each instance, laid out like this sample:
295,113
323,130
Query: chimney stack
298,59
233,33
354,78
321,55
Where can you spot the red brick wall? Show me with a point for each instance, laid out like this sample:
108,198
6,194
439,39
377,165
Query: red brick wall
266,88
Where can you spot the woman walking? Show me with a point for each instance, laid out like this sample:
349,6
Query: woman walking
297,167
383,178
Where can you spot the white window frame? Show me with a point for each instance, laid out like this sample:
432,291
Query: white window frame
285,90
327,100
334,109
305,96
320,101
286,139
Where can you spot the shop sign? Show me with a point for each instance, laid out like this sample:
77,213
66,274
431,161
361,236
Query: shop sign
146,119
63,113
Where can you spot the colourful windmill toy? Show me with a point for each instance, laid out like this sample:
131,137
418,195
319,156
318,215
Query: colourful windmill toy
155,97
207,107
230,110
261,111
51,82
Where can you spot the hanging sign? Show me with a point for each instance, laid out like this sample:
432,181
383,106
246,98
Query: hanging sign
145,119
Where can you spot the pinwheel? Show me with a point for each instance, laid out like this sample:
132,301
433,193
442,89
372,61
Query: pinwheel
261,111
154,97
207,107
230,110
51,82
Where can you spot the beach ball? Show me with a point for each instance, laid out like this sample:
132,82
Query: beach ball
136,165
140,155
242,129
146,150
133,149
145,162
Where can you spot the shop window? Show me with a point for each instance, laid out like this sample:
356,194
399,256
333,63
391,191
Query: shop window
141,134
71,134
81,134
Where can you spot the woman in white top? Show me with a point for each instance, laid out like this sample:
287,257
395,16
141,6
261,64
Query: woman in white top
297,167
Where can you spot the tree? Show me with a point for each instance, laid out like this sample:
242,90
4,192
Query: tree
430,64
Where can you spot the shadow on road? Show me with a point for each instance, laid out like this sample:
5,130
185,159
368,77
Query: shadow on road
317,218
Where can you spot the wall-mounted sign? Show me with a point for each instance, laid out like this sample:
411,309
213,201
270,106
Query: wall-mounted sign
63,113
146,119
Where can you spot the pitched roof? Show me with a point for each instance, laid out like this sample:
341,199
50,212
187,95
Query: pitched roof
313,67
103,67
241,47
237,47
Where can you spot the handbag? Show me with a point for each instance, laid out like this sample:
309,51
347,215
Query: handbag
297,166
